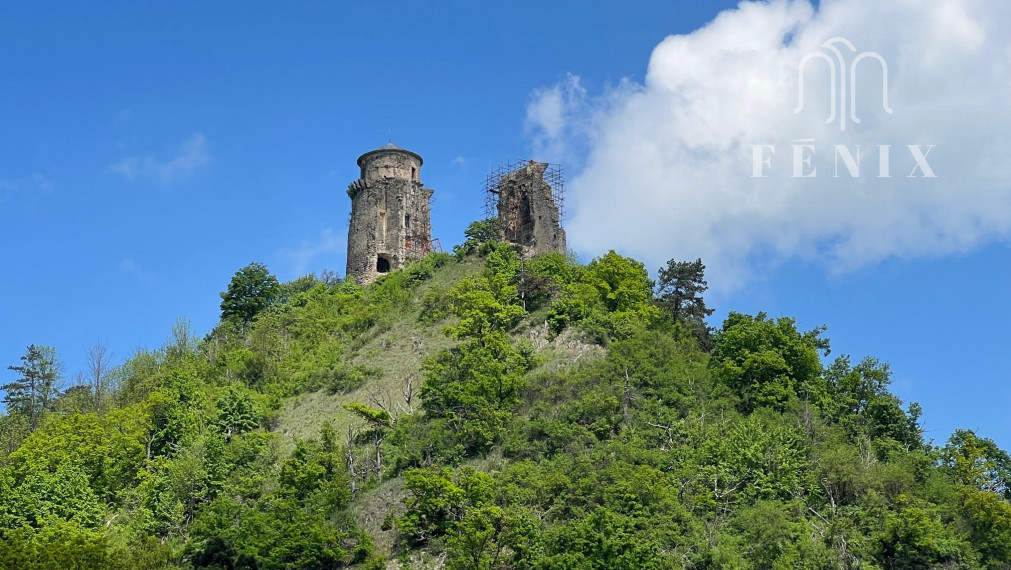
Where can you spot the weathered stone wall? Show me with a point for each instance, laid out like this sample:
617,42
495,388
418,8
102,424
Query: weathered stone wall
390,214
383,165
527,213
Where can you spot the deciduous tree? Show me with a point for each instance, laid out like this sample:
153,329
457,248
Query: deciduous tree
251,290
99,358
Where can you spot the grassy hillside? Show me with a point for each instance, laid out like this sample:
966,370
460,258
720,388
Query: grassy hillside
477,410
396,350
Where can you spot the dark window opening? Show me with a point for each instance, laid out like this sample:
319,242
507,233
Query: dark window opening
414,173
382,264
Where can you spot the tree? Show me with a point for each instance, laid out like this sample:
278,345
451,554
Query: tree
981,472
610,298
622,283
861,403
251,290
679,291
182,341
35,390
477,234
767,362
237,413
483,230
98,366
439,499
977,462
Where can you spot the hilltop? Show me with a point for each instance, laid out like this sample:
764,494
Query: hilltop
482,410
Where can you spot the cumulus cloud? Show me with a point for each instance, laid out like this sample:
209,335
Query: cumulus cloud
666,167
329,243
192,154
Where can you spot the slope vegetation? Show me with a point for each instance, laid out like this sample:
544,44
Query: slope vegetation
479,411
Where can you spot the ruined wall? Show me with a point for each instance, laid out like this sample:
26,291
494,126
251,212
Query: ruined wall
390,213
527,214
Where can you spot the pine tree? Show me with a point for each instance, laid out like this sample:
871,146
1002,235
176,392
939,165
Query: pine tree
36,389
679,291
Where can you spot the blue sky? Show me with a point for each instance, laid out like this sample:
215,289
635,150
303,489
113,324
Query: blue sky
149,152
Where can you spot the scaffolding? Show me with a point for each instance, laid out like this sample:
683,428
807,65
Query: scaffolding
554,177
417,245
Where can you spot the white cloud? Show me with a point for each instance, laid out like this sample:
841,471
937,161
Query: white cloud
328,243
558,120
191,155
665,167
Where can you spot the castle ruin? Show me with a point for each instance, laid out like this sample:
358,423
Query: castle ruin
528,206
390,213
391,210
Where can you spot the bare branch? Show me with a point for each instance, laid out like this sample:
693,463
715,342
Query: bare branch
99,358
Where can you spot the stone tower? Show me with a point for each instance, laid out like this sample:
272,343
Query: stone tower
527,212
390,213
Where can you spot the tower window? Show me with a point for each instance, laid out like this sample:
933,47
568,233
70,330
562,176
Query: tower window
382,264
414,173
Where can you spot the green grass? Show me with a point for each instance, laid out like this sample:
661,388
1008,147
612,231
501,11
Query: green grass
398,350
371,507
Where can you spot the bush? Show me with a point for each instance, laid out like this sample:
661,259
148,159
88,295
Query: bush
435,306
348,377
610,299
477,235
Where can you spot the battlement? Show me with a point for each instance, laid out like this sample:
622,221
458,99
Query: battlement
357,186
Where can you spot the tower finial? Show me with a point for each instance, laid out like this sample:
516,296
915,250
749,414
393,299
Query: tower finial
389,134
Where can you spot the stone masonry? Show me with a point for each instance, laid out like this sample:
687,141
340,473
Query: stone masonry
527,213
390,213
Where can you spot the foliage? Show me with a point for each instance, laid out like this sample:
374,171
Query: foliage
471,389
34,392
237,412
477,235
860,402
611,297
768,362
679,290
666,449
251,290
